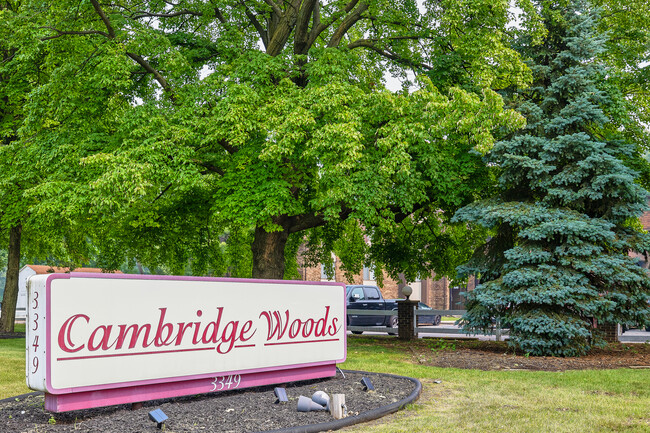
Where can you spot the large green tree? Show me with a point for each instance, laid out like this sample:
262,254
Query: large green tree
567,215
627,56
27,162
14,175
229,133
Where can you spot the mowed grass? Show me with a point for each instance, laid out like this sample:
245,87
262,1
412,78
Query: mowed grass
469,400
508,401
12,367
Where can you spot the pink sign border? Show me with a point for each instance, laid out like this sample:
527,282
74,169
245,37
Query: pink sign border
57,397
134,394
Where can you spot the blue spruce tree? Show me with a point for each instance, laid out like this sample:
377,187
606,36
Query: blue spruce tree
557,265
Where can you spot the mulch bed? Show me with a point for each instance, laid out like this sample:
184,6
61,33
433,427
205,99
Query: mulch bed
499,357
247,410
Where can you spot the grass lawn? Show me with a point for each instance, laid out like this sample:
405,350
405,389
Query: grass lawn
470,400
12,367
509,401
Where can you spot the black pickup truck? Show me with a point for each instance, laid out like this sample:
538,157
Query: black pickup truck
363,297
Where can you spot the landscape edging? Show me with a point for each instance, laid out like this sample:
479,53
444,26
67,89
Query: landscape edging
330,425
21,396
362,417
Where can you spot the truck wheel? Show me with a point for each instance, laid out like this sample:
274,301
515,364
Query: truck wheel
392,325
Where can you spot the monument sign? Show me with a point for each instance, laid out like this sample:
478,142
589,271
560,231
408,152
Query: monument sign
104,339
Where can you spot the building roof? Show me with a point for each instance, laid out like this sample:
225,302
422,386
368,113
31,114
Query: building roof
45,269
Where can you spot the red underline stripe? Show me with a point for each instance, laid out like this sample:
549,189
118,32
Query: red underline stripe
301,342
72,358
133,354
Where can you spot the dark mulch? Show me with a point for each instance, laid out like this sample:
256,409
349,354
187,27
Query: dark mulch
248,410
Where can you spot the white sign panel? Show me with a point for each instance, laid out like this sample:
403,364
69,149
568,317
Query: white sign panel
88,331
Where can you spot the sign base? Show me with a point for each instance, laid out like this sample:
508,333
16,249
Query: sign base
109,397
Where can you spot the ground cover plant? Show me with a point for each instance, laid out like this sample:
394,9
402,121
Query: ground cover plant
507,394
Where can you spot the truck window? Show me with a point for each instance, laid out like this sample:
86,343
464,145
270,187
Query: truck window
357,291
372,293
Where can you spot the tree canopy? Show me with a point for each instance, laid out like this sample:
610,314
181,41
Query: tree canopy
219,137
225,134
27,162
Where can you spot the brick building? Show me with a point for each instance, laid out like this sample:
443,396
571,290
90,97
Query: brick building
437,293
643,259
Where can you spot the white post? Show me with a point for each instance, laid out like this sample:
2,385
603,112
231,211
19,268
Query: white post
337,406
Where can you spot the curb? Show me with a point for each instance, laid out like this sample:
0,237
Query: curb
362,417
21,396
11,335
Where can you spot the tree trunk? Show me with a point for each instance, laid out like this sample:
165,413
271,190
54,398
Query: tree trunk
11,283
268,254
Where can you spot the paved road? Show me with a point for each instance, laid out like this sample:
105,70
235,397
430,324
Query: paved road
451,331
635,336
445,330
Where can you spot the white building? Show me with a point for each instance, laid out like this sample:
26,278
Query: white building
28,271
